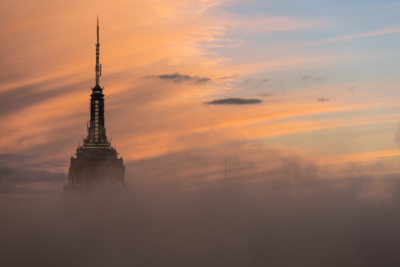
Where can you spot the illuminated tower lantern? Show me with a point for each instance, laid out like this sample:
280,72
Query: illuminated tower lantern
97,163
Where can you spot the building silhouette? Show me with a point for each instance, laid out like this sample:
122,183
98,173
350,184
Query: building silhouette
97,164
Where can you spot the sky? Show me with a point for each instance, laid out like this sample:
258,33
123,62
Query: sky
313,79
299,98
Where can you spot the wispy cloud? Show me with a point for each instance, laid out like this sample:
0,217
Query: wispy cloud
257,82
263,81
18,177
278,24
323,99
354,36
234,101
228,77
247,80
266,94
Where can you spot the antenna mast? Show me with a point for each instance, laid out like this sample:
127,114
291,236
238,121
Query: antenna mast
98,65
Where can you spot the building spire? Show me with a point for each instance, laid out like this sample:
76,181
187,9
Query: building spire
98,65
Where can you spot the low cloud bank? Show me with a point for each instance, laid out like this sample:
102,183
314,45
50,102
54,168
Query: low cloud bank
276,209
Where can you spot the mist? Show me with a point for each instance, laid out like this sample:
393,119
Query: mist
180,212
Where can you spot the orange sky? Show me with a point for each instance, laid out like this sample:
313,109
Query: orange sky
47,67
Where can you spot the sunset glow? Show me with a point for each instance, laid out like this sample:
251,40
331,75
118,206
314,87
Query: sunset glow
327,86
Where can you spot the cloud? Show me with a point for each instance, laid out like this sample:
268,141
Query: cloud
230,77
247,80
278,24
354,36
17,99
266,94
17,176
308,78
258,82
178,78
234,101
323,99
263,81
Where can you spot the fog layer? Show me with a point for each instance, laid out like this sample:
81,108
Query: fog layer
288,214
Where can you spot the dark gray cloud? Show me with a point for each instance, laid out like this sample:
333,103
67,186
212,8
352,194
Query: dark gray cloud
178,78
323,99
234,101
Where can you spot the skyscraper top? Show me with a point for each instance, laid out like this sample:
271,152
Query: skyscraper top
97,163
98,65
96,129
